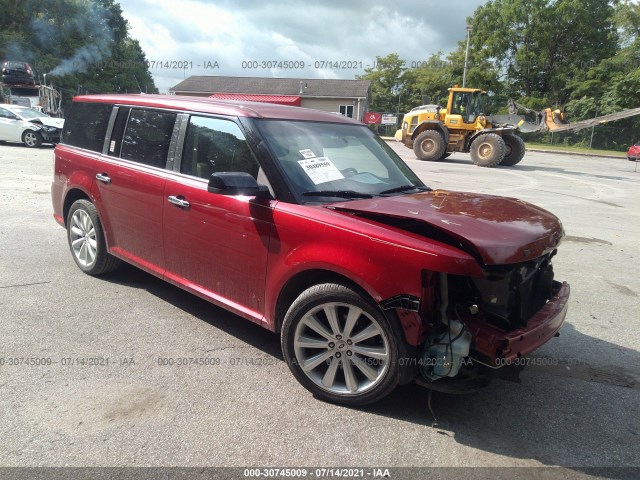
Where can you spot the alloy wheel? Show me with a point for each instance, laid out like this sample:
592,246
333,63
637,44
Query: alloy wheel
83,238
341,348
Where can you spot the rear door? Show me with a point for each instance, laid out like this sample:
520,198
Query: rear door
216,245
130,182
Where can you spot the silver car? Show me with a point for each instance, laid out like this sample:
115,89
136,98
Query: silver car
28,125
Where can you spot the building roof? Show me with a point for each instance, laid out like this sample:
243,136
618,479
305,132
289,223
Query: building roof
221,107
329,88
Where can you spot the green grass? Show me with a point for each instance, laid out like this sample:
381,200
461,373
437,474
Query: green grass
564,148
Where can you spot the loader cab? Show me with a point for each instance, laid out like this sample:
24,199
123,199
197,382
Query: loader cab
465,106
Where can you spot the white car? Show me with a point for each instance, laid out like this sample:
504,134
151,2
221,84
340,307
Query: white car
29,126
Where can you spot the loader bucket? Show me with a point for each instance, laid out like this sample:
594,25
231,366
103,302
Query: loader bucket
524,123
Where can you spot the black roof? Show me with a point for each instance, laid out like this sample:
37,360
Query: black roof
330,88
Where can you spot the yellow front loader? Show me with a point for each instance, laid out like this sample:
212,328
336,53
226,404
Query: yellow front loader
434,132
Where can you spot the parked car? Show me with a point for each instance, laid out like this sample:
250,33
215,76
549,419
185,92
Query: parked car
310,225
17,73
633,155
28,125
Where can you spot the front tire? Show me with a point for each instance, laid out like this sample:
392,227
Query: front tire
86,240
31,139
340,346
488,150
514,151
429,145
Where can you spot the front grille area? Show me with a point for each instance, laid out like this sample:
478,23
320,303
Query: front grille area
508,295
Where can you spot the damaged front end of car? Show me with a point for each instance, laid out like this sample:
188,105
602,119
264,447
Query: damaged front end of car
467,328
484,325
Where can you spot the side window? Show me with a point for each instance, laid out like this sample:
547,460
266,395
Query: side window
216,145
147,137
86,125
5,113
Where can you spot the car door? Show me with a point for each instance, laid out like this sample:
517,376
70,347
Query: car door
130,183
216,245
9,126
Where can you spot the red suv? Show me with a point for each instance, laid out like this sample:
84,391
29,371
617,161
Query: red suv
308,224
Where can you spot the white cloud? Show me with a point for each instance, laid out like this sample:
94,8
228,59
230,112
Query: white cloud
230,33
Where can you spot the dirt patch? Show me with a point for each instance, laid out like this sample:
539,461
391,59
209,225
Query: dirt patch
587,240
604,374
96,406
623,289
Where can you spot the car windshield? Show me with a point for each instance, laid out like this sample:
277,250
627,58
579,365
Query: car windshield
329,161
29,113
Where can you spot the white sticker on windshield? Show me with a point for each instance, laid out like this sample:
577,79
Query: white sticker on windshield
306,153
320,170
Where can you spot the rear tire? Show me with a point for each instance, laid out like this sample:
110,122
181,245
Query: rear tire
340,346
488,150
429,145
86,240
514,151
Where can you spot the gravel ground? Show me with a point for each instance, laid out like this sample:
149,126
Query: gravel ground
577,412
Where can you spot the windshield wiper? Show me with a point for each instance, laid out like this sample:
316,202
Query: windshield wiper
337,193
405,188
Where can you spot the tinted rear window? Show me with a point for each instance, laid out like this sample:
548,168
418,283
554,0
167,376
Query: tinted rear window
86,125
147,137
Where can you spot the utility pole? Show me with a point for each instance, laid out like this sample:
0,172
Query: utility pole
593,129
466,56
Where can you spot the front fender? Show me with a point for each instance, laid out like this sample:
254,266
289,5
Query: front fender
381,261
500,131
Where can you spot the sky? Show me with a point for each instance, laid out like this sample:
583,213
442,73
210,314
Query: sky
289,38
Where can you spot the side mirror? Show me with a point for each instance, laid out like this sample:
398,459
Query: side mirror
236,183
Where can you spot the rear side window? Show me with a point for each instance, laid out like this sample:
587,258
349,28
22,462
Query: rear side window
214,145
147,137
86,125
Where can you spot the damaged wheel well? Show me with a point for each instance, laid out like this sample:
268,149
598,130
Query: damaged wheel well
304,280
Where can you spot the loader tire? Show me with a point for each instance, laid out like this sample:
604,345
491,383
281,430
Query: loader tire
488,150
514,151
429,145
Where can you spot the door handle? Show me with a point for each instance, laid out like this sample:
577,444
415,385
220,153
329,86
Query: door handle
179,202
103,177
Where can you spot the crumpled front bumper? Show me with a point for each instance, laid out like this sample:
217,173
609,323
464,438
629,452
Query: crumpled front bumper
500,347
50,137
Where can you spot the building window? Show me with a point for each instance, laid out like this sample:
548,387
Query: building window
346,110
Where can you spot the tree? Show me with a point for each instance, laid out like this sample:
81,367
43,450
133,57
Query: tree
386,83
538,45
82,45
430,78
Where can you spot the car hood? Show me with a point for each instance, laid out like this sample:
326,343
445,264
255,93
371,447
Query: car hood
498,230
48,121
